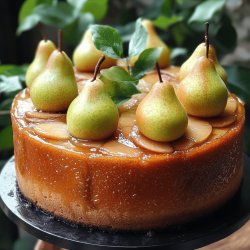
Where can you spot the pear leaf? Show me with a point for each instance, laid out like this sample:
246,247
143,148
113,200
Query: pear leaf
164,22
107,40
146,62
138,40
123,85
206,10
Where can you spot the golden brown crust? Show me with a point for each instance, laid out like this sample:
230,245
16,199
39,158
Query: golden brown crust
129,193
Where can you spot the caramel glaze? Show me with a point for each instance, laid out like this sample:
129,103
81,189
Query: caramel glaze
126,193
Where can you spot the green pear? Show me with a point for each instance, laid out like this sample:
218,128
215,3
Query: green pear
86,56
43,51
55,88
92,115
154,41
202,92
200,51
160,116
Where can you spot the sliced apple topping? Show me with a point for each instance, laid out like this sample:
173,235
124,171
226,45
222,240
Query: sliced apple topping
52,130
34,116
217,133
144,86
118,149
183,143
126,122
197,132
231,106
132,103
222,121
146,143
85,143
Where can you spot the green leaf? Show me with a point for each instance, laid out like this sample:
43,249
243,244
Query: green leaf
146,62
58,15
121,83
98,8
73,32
28,23
206,10
238,82
164,22
13,70
28,6
138,40
78,4
9,84
107,40
6,141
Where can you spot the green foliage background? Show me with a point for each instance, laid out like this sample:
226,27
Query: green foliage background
179,22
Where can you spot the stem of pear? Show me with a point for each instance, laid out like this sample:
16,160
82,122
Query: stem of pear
97,67
128,65
43,35
159,72
206,38
59,35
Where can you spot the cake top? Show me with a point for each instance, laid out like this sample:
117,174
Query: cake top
164,113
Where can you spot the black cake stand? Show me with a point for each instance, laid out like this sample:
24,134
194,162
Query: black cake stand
188,236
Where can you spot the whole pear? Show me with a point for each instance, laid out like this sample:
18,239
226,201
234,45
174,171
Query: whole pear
154,41
55,88
92,115
43,51
86,56
202,92
200,51
160,116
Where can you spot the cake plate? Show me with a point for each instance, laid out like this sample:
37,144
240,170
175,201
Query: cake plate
187,236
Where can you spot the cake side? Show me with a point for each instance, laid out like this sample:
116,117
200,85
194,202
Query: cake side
128,193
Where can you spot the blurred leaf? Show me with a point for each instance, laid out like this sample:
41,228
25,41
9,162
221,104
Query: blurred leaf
178,52
9,84
13,70
6,104
28,6
58,15
28,23
73,32
226,37
153,10
6,141
107,40
167,7
4,118
98,8
146,62
138,40
206,10
123,83
77,3
238,78
164,22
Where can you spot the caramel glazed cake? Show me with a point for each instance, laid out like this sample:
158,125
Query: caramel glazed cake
128,181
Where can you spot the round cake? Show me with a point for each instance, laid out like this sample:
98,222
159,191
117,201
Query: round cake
128,181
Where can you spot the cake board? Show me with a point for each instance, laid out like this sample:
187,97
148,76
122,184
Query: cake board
193,235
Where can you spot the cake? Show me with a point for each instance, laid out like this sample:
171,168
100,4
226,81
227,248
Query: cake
128,181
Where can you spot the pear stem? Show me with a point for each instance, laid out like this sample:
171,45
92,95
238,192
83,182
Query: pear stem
206,38
43,35
97,67
59,37
128,65
158,71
